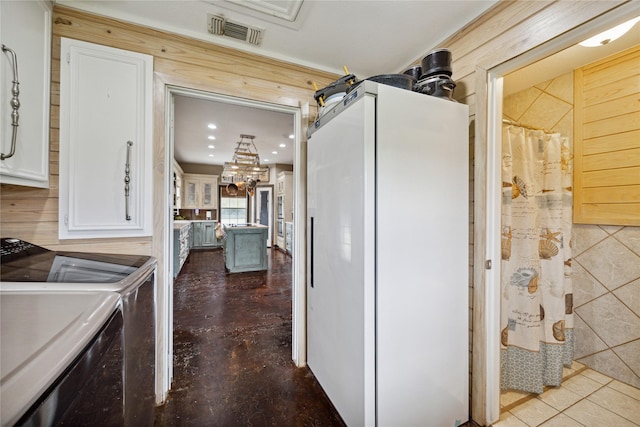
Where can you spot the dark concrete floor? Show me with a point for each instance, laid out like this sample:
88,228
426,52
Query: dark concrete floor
232,350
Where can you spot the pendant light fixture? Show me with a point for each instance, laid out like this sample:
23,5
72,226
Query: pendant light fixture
244,169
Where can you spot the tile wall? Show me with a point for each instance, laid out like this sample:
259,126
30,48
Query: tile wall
606,267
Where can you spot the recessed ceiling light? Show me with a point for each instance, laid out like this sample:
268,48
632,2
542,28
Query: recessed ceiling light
210,155
211,137
274,152
211,146
283,145
212,126
265,160
291,136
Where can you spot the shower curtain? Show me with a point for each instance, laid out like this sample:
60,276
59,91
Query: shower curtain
536,296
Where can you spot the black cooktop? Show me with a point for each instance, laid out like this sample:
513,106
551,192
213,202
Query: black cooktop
22,261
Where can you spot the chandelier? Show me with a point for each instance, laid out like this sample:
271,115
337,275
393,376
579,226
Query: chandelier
244,167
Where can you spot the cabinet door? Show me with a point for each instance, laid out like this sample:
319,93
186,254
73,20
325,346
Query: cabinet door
207,195
191,195
209,234
196,229
200,191
25,28
105,141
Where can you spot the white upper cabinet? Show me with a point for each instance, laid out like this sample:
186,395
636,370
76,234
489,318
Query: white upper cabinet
25,35
106,184
200,191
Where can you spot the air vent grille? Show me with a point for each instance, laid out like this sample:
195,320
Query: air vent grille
220,26
216,25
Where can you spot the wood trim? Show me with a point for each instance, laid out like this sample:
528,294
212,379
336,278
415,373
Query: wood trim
479,343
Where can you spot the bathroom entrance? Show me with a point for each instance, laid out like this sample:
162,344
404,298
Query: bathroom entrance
547,103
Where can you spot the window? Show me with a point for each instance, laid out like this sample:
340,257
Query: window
233,209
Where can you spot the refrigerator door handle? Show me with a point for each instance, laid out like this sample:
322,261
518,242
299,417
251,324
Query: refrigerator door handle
311,254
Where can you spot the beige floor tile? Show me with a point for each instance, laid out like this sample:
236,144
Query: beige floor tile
510,396
559,398
534,412
625,388
581,385
592,415
507,419
588,399
597,376
575,367
623,405
561,420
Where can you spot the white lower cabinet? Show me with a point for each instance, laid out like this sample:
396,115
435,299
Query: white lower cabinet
106,182
25,34
182,235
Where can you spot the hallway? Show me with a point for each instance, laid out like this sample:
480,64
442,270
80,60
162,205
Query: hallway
232,350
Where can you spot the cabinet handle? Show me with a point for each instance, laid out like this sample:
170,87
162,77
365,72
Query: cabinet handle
311,255
127,179
15,103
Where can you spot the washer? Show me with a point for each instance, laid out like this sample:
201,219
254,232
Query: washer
55,348
26,267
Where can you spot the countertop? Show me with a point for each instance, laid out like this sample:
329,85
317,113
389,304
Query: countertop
41,334
243,226
178,224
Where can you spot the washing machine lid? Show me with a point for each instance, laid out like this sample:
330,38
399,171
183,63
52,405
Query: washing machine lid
25,262
41,334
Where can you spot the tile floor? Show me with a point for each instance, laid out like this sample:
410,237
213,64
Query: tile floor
587,398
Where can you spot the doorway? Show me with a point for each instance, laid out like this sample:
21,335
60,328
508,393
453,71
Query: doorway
299,166
263,212
498,82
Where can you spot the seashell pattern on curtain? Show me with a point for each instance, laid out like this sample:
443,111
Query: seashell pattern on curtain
536,294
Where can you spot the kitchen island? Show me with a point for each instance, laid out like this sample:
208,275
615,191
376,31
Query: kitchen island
245,247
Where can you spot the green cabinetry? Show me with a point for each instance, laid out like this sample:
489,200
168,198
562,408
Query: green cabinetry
204,235
245,248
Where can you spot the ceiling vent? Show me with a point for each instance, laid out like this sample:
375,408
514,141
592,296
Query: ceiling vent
220,26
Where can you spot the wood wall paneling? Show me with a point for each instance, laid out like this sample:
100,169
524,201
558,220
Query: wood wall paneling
178,60
622,141
607,140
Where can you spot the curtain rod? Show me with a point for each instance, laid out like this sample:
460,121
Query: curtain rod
512,123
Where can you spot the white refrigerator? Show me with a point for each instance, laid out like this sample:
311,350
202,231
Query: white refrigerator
388,255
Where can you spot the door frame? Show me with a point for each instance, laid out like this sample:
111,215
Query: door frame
300,115
254,213
489,85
